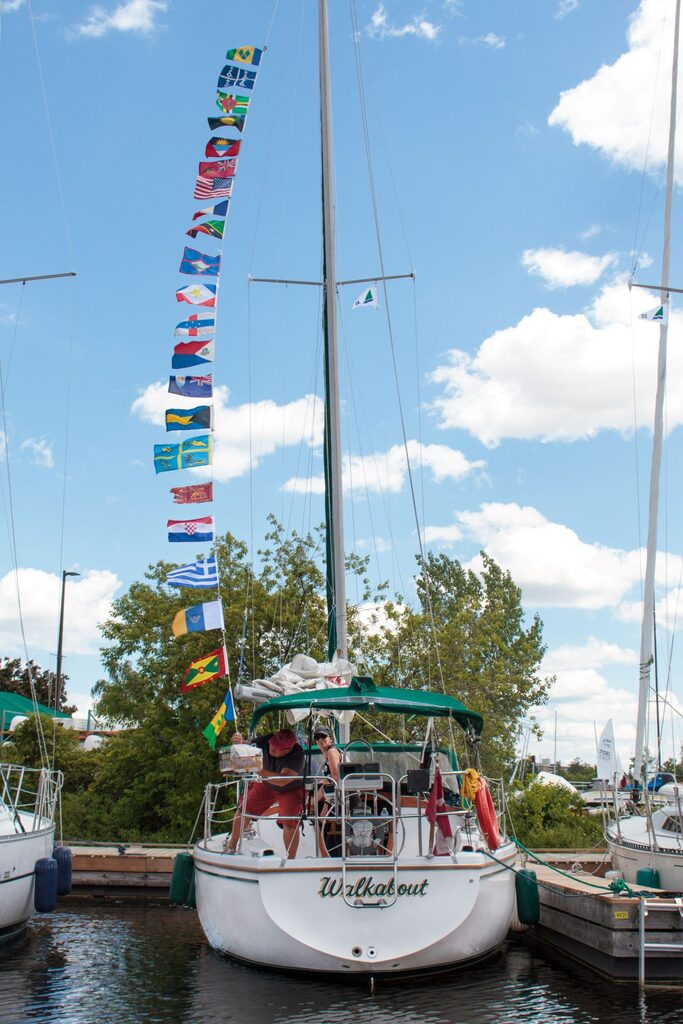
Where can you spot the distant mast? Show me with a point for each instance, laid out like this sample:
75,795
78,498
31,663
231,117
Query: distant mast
334,509
647,628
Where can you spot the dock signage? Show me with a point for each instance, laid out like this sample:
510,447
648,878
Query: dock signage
367,888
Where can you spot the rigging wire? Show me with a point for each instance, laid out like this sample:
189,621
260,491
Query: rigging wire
373,194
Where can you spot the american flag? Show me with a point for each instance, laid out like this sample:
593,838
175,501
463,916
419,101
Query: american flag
212,188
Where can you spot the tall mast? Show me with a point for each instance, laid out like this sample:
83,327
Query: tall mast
647,628
336,582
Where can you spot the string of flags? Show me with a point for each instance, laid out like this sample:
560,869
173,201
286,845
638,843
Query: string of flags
215,179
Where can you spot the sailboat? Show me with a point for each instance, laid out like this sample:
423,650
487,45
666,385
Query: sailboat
28,803
406,866
653,841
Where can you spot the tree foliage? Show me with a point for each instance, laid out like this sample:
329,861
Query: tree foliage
469,635
16,676
147,782
552,817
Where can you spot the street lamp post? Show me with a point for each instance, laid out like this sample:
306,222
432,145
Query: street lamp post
58,681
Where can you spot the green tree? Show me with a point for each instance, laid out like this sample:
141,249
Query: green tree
578,771
469,633
16,675
551,817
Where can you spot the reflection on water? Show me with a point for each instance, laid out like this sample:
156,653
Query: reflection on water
123,964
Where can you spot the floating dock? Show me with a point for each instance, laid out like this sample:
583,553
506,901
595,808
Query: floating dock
624,938
124,870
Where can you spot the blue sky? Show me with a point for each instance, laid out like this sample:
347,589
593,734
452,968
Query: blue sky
518,155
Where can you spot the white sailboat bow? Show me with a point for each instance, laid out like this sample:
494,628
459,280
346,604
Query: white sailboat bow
28,799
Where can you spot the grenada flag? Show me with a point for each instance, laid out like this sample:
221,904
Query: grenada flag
202,670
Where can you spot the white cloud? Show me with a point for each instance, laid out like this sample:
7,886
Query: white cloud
380,27
591,232
264,426
387,471
561,269
566,7
40,450
445,536
10,5
87,604
623,110
130,16
563,378
375,544
595,653
550,562
490,39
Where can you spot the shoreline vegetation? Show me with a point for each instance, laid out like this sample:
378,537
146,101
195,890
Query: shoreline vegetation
146,782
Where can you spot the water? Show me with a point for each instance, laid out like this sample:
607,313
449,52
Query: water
132,964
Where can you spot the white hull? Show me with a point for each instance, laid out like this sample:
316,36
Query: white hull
632,847
294,916
18,855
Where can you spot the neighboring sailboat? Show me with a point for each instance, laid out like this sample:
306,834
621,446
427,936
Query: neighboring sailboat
28,803
384,880
654,840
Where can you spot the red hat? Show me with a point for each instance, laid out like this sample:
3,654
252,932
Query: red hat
281,742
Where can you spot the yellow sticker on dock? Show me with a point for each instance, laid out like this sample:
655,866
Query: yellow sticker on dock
621,915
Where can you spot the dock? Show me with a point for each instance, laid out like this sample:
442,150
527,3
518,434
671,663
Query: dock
126,869
580,917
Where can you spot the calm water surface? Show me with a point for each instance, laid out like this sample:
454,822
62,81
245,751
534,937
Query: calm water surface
123,964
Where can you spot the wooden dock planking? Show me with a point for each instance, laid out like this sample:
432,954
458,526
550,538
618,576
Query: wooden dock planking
600,928
106,870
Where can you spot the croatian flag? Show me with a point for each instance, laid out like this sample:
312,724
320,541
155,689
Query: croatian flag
190,529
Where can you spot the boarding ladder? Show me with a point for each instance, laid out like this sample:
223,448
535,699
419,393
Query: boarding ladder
367,786
646,908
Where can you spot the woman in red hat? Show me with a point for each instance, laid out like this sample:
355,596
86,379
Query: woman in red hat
282,756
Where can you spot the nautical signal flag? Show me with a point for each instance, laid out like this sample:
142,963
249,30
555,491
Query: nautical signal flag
236,78
225,713
197,294
245,55
199,418
191,353
195,262
367,298
196,451
218,168
192,494
660,314
219,210
212,228
235,106
229,121
195,326
198,618
203,670
218,146
181,530
196,575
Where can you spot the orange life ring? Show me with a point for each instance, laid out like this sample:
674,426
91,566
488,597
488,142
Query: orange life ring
486,813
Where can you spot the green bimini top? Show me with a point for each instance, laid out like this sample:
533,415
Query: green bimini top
362,693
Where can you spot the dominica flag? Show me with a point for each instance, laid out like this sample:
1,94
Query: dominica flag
232,106
225,713
245,55
660,314
203,670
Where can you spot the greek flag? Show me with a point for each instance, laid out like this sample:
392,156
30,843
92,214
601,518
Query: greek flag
199,574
